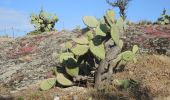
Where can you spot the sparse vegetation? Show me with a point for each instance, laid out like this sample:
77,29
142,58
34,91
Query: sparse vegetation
145,22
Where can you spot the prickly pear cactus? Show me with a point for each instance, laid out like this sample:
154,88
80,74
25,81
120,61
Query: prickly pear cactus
43,21
93,46
96,53
164,19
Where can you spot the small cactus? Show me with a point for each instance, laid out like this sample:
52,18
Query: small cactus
135,49
44,21
164,19
128,55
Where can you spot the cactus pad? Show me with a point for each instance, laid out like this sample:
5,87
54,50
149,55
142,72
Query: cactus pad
110,17
115,34
80,49
68,45
97,50
120,24
128,55
65,56
72,71
47,84
135,49
89,34
121,43
134,60
61,79
90,21
101,30
81,40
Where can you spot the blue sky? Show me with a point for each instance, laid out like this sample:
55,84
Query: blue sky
14,14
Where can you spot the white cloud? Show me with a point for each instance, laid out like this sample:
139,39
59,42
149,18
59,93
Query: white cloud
13,18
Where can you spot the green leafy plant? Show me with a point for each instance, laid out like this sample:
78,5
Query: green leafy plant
43,22
97,53
164,19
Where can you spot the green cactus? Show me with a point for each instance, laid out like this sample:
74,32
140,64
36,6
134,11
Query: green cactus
97,50
72,71
135,49
118,58
90,21
123,83
135,60
128,56
89,35
48,83
164,19
120,24
115,34
65,56
101,30
61,79
44,21
70,63
68,45
120,43
81,40
86,53
80,49
110,17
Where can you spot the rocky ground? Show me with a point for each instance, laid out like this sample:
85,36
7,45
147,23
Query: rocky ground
27,60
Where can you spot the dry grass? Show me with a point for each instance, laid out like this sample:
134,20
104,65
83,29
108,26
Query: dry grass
5,39
151,71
